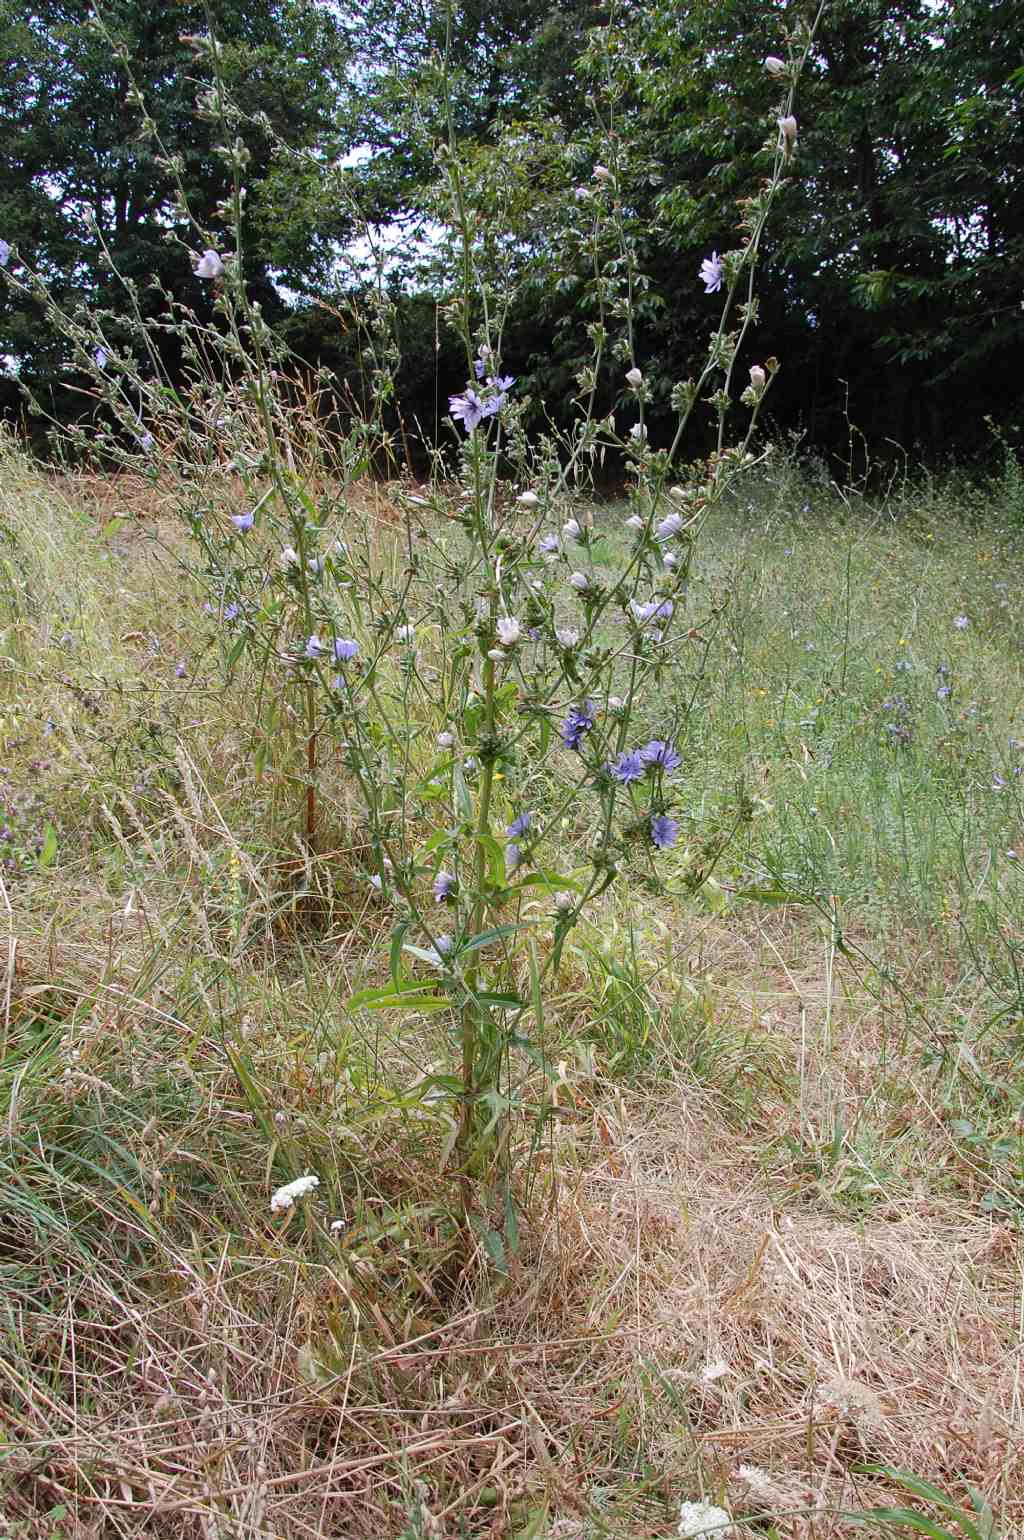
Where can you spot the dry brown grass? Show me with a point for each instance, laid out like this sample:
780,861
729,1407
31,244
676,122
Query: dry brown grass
668,1329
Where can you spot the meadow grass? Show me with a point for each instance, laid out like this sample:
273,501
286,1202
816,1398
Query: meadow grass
769,1223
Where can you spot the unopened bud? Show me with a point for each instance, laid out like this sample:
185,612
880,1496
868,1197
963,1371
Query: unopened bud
775,66
787,128
528,499
758,378
602,174
634,377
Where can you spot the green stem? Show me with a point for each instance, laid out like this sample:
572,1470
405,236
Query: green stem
472,1012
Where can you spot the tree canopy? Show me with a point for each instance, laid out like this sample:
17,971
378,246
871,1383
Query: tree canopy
891,282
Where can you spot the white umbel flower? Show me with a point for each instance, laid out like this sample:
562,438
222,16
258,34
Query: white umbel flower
282,1200
703,1519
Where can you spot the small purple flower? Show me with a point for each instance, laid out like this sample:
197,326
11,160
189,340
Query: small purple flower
961,622
513,857
660,755
503,382
344,649
147,443
664,831
180,671
943,692
243,521
712,273
5,253
627,768
469,409
232,611
518,826
549,545
444,886
100,358
479,368
579,722
314,647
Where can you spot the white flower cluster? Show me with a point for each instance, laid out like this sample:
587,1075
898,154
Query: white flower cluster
703,1519
282,1200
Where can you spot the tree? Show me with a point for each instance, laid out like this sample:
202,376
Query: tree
75,172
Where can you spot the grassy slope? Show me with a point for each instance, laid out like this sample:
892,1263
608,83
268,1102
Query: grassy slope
789,1137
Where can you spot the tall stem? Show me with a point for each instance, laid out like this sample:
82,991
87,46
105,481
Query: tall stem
472,1012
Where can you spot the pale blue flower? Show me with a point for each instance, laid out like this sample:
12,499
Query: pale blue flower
712,273
5,253
664,831
518,826
961,622
579,721
444,886
314,647
243,521
209,265
345,649
469,409
629,767
660,755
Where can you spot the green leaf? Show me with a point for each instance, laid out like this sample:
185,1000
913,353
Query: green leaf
48,854
485,937
407,994
769,895
491,1242
397,937
906,1518
463,801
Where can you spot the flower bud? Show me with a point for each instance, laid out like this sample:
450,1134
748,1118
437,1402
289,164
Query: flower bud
571,529
579,581
496,655
634,522
445,740
528,500
758,378
602,174
775,66
787,128
562,902
634,377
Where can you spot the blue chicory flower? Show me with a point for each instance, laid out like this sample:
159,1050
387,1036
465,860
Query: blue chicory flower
232,611
579,722
345,649
513,857
664,831
660,755
444,886
518,826
712,273
469,409
5,253
629,767
243,521
549,545
314,647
